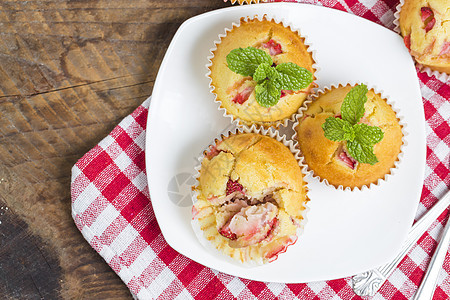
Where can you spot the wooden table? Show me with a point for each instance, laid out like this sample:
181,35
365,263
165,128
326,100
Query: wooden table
69,72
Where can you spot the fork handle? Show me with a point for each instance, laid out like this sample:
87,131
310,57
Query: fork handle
368,283
426,289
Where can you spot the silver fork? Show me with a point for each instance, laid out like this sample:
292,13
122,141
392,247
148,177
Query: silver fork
368,283
428,285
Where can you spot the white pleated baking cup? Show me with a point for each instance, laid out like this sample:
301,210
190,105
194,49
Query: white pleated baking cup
283,122
401,122
444,77
270,132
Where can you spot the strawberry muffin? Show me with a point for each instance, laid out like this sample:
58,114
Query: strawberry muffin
349,136
250,197
261,72
425,27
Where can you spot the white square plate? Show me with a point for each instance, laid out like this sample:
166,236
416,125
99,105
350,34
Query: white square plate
347,232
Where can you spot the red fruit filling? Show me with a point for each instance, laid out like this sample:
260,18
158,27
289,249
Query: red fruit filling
272,223
445,49
407,41
213,151
286,92
226,231
250,225
234,186
427,16
274,47
425,13
347,159
242,96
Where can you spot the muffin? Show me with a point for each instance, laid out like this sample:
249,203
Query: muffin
243,95
250,197
353,158
425,27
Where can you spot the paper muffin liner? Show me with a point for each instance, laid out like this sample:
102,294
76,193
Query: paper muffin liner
400,119
442,76
200,234
276,124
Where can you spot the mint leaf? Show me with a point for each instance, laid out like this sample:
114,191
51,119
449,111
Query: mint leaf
349,132
333,129
361,152
265,71
267,93
244,61
368,135
352,108
336,129
293,77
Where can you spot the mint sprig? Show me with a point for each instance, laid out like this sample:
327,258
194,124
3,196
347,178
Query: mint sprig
334,129
267,94
352,109
360,138
369,135
264,71
270,79
293,77
361,152
244,61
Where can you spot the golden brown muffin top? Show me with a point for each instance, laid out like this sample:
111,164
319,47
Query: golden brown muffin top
260,164
425,26
322,154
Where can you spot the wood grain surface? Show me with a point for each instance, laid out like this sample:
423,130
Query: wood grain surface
69,72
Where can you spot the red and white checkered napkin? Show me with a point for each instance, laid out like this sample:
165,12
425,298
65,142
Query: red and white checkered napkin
112,209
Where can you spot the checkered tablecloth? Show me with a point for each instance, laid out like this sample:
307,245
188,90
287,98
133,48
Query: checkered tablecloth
112,209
